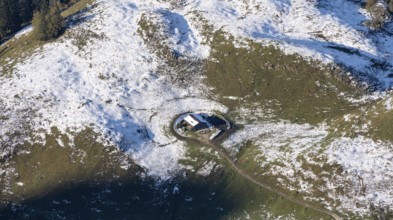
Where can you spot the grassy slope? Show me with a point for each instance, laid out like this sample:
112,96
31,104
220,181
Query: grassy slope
53,165
247,197
286,86
300,92
224,77
372,120
260,75
46,168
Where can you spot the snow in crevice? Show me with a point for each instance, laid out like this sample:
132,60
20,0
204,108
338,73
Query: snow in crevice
182,37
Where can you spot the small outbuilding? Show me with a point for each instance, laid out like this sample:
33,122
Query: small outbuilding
196,122
204,126
191,120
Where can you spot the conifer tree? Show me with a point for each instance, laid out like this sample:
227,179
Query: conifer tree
39,25
13,13
25,10
9,17
56,22
3,19
48,22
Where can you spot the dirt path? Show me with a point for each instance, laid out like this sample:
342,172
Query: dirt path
252,179
224,155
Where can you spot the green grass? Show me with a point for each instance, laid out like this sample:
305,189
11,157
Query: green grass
374,117
15,51
380,126
75,8
51,167
247,196
89,173
298,90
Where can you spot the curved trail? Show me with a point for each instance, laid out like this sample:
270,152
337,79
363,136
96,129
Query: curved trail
252,179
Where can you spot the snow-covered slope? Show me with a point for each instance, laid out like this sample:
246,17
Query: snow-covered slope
330,31
290,151
102,75
111,85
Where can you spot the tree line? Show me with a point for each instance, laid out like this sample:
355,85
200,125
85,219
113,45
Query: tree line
44,14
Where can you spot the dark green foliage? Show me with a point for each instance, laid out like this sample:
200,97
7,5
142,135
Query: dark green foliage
26,10
56,22
48,22
14,14
3,19
9,17
39,25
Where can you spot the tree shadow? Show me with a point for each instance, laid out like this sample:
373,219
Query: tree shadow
80,16
207,198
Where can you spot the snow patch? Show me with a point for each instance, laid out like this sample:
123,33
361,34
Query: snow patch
281,140
24,31
389,103
182,37
207,168
368,166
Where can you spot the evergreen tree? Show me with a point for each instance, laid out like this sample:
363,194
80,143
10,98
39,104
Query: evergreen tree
9,17
39,26
25,10
48,22
56,22
14,19
3,19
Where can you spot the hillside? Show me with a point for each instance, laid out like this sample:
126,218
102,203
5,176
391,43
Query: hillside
305,82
